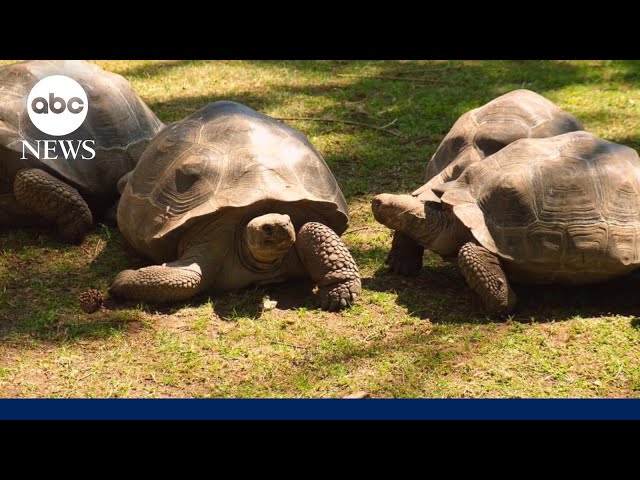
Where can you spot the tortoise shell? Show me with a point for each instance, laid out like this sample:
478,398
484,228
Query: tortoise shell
225,156
558,209
485,130
117,120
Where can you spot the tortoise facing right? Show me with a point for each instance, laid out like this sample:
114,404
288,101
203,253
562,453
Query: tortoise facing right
46,187
564,209
233,198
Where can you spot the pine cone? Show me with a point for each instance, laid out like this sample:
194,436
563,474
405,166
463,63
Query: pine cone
91,300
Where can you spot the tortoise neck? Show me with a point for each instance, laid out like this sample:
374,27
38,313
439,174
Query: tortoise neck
433,226
446,233
427,223
430,224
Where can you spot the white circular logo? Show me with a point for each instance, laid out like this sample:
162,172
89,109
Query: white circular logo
57,105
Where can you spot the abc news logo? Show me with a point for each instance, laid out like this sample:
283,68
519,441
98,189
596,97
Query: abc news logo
58,105
41,105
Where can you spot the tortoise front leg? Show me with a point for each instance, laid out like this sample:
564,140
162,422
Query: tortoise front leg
405,256
329,264
485,276
170,282
48,197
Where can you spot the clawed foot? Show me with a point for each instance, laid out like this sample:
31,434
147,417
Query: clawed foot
402,264
338,296
405,256
330,265
73,231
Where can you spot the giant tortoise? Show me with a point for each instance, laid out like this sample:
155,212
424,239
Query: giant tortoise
38,188
564,209
475,135
228,198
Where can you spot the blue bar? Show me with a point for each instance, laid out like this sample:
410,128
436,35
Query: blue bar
320,409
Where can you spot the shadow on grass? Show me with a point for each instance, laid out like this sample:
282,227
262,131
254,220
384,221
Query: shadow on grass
248,303
43,278
441,295
24,238
156,68
233,305
430,355
423,106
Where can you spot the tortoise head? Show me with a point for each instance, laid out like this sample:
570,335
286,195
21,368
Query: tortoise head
430,225
398,212
269,237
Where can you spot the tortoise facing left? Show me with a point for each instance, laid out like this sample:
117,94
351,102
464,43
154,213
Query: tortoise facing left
43,186
477,134
228,198
564,209
485,130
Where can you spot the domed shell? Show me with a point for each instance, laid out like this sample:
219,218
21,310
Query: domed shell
565,208
224,156
117,120
485,130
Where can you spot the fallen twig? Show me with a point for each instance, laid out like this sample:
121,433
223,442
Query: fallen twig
618,372
375,335
288,345
87,375
348,122
435,68
358,395
423,140
348,232
98,245
389,124
385,77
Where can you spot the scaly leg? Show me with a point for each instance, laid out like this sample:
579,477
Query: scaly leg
54,200
485,276
170,282
329,264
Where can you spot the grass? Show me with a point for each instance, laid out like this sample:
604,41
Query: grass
424,337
